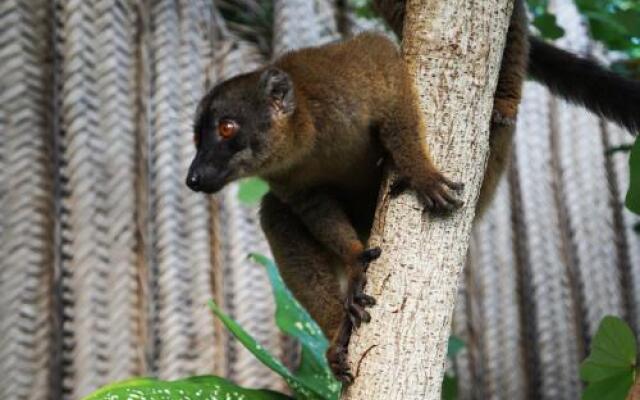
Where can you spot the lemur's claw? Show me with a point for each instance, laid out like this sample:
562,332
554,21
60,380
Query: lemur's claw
436,194
356,313
364,300
370,255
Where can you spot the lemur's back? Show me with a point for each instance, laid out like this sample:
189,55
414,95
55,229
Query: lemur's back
362,72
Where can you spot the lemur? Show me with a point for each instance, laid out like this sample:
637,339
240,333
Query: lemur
315,124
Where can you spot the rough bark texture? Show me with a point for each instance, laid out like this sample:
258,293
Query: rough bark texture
453,49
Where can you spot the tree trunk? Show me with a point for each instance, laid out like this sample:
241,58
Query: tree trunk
453,49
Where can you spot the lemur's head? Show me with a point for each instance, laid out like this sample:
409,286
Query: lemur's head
239,128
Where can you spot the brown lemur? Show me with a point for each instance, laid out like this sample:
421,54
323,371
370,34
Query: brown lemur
316,123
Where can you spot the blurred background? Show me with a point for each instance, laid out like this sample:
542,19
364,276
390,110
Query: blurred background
107,260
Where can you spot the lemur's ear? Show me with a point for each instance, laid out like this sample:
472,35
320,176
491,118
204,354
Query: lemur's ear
277,85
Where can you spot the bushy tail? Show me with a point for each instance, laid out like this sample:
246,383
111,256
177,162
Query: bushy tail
585,82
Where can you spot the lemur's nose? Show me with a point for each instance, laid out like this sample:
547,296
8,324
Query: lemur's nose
193,181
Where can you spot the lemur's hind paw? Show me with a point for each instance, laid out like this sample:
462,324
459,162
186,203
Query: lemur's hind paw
354,305
357,300
436,194
337,358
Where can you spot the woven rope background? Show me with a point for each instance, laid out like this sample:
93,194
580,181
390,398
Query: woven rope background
107,261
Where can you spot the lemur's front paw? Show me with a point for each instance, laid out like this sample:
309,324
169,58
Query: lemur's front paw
337,358
436,194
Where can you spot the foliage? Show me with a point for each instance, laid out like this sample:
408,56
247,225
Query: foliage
362,8
543,20
610,368
449,387
313,379
450,382
196,387
251,190
632,200
616,23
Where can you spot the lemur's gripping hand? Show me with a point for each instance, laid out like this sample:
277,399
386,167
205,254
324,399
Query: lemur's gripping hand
355,302
433,190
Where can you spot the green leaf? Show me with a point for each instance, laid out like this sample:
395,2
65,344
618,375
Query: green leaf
548,27
615,387
251,190
314,373
449,387
632,200
613,351
616,23
454,346
610,368
250,344
199,387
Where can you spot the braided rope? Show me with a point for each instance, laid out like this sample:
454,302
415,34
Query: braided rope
474,323
247,294
462,364
494,261
143,83
170,272
620,164
297,25
116,123
584,187
194,58
85,229
25,202
555,334
327,19
247,291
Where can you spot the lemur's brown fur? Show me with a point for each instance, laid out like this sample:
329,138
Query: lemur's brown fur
356,102
351,104
316,125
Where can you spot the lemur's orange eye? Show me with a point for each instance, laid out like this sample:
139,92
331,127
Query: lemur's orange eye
227,128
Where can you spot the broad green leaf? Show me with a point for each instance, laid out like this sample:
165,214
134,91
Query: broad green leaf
250,344
314,372
449,387
544,20
613,351
633,194
199,387
616,23
251,190
548,27
454,346
615,387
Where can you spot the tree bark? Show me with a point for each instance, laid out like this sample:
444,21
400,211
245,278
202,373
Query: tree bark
453,49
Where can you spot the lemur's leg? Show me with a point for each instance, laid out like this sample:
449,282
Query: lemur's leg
506,101
508,92
403,133
314,229
309,269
